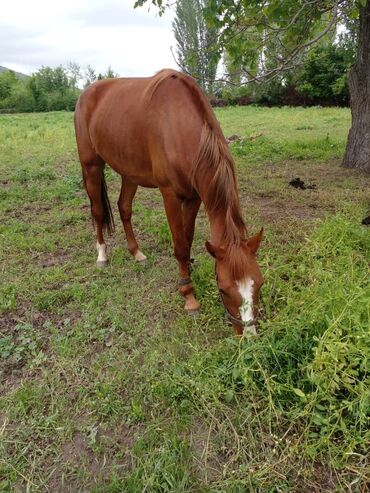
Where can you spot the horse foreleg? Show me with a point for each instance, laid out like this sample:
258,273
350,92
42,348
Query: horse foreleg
190,210
128,190
182,244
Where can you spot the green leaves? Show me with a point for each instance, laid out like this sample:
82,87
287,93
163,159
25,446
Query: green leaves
300,393
323,76
22,345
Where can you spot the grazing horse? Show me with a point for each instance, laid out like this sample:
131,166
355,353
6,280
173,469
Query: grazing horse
161,132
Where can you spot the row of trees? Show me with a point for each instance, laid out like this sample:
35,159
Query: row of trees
48,89
321,79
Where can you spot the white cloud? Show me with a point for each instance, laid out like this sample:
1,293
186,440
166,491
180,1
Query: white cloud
132,41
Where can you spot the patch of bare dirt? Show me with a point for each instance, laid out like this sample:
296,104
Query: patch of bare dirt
26,313
13,372
320,189
27,210
316,479
80,453
61,163
48,259
275,209
208,462
77,451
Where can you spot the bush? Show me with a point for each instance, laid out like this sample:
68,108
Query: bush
321,80
269,94
21,99
46,90
62,100
323,77
7,80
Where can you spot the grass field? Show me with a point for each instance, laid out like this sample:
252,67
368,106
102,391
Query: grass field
107,386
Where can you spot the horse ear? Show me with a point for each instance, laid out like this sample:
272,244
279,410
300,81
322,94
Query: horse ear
216,252
254,242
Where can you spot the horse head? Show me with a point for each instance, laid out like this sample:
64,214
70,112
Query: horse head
239,281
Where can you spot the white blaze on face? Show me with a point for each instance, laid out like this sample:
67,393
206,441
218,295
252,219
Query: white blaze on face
245,288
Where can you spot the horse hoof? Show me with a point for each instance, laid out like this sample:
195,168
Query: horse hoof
193,313
102,263
140,257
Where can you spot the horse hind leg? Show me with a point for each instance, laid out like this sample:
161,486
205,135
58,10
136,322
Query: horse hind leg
128,191
93,174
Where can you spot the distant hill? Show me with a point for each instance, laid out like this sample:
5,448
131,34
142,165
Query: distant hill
19,75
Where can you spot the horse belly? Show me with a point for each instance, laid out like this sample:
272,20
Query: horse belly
125,153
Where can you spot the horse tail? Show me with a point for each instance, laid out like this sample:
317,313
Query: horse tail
108,220
88,158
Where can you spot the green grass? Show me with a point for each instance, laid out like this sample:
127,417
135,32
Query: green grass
107,386
285,124
286,133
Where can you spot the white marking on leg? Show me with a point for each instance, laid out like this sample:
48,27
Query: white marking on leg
102,252
245,288
139,256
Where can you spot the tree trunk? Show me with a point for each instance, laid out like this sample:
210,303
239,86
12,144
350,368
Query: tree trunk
357,153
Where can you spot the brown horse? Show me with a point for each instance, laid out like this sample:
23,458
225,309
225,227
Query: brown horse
161,132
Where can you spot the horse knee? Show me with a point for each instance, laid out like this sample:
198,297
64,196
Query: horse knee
125,213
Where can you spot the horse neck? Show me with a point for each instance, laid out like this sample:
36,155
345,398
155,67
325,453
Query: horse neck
224,229
214,176
225,222
218,227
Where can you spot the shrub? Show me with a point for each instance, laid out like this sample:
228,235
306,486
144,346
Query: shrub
21,98
323,77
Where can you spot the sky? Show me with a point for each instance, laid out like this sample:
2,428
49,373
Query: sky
134,42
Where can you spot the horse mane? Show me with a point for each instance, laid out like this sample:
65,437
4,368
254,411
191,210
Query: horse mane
213,158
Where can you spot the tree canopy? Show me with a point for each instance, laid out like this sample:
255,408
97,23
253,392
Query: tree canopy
265,38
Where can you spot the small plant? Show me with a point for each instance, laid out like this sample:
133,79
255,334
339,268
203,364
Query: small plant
8,300
25,343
